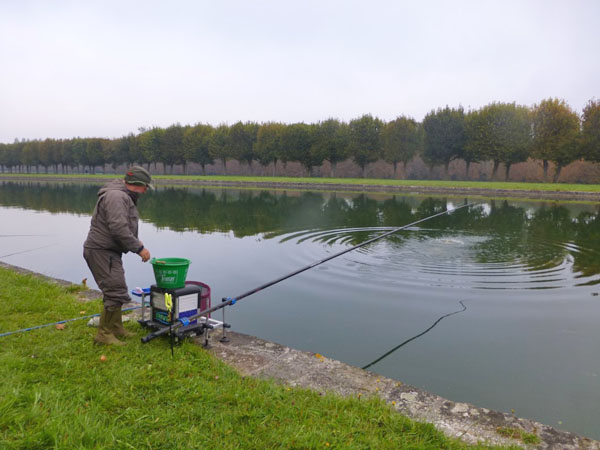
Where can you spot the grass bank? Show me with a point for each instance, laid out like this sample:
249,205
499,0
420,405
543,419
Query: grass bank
496,185
60,391
441,184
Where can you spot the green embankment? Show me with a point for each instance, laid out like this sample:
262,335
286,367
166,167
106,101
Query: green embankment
57,392
493,185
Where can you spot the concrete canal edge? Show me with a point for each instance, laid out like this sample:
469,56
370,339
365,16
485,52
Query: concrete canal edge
252,356
256,357
397,189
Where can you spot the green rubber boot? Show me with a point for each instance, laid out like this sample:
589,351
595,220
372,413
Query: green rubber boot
116,325
105,336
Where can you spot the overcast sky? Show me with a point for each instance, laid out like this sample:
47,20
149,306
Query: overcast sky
106,68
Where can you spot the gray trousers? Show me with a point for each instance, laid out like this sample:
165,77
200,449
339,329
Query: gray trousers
107,268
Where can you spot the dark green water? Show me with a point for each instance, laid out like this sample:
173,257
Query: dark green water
525,336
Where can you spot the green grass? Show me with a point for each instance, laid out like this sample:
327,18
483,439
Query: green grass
497,185
514,433
56,392
390,182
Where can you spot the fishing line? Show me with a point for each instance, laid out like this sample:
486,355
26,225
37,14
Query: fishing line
415,337
23,235
30,250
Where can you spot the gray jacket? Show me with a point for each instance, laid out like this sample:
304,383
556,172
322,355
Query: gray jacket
115,220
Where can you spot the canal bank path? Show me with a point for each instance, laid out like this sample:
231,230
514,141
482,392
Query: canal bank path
256,357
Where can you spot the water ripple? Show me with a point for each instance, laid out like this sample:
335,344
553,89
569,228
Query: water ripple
427,257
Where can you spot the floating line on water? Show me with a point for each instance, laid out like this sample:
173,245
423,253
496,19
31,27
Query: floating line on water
415,337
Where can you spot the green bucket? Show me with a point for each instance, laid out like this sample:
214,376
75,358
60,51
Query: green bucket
170,273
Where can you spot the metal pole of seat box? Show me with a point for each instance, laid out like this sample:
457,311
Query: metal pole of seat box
224,338
143,307
206,331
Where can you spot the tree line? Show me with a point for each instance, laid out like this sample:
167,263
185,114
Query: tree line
505,133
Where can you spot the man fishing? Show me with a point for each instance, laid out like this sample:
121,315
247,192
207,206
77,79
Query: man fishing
114,231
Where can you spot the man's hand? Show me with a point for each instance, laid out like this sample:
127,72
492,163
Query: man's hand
145,255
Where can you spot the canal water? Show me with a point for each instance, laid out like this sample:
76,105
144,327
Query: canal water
515,283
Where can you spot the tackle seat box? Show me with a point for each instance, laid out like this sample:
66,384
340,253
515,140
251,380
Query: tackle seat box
187,301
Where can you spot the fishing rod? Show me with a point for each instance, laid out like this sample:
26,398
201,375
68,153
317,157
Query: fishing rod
226,301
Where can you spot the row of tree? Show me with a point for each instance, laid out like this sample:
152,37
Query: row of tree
505,133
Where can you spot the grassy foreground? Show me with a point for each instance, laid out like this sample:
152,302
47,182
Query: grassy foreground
495,185
60,391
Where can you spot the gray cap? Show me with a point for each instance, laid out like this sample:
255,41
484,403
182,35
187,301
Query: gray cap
138,175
